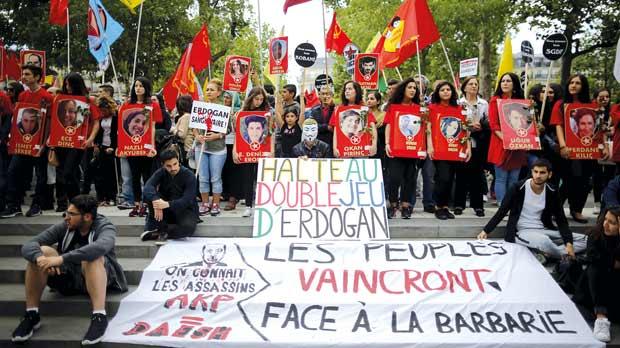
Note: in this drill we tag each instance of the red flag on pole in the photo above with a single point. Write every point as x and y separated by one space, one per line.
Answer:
181 82
412 22
12 68
58 12
289 3
201 50
336 39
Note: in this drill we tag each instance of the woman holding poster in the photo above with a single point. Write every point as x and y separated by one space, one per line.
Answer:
355 132
254 131
210 155
508 163
403 122
580 140
604 171
448 143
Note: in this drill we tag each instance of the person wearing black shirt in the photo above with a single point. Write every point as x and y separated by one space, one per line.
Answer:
322 113
310 146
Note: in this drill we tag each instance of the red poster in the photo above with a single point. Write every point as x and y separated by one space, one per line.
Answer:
136 135
614 114
449 133
278 55
407 131
236 73
69 121
352 127
36 58
583 129
27 129
252 138
366 71
518 124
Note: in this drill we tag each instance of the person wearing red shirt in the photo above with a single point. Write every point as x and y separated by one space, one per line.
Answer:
604 171
614 114
508 163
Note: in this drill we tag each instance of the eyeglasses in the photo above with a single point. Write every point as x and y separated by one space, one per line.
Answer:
70 213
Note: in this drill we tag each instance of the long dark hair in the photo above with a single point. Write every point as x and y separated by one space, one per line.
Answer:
247 103
17 90
358 93
435 99
584 95
146 83
398 94
597 231
517 91
78 87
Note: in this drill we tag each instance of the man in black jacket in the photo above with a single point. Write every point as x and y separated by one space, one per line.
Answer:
533 204
171 197
322 113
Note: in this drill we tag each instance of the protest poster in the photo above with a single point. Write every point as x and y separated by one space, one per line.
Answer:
237 73
407 131
27 129
583 130
366 70
352 129
305 55
518 124
250 293
320 199
253 136
278 55
210 117
136 135
448 133
614 149
468 67
70 121
36 58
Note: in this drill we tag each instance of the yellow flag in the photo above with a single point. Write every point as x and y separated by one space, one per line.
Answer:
506 63
373 43
132 4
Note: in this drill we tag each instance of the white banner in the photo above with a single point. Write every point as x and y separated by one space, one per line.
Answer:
251 293
468 67
328 199
210 117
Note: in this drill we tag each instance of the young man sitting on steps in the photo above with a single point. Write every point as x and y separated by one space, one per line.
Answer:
83 262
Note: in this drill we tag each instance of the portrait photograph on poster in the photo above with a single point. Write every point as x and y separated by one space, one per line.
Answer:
36 58
352 132
137 137
518 125
27 130
236 73
278 55
584 131
253 140
366 70
69 121
407 131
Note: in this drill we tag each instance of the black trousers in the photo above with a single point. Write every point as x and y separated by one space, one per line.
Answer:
403 179
575 187
89 169
232 176
601 176
468 176
141 168
249 171
68 174
445 172
105 176
17 172
177 224
604 287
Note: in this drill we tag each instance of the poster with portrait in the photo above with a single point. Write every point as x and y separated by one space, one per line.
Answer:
518 124
69 121
27 129
449 134
366 70
584 130
237 73
278 55
36 58
136 135
253 138
353 131
407 131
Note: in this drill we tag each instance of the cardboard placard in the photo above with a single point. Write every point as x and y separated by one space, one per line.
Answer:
448 130
353 131
210 117
36 58
27 129
69 121
305 55
253 139
237 73
367 70
518 124
136 135
468 67
407 131
583 131
278 55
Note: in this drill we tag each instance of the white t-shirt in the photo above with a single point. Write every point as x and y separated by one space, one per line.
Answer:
533 206
106 124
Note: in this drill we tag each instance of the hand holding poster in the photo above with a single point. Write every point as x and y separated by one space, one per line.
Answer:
236 73
36 58
353 132
209 117
253 137
70 119
27 130
583 130
278 55
136 135
407 131
367 70
518 124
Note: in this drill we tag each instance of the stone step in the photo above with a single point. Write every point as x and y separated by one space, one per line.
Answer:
13 269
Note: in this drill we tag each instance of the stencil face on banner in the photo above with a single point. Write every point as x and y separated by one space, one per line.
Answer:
366 73
555 46
305 55
71 115
527 51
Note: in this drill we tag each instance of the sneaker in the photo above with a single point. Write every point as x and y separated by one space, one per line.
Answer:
11 212
601 330
30 322
391 211
149 235
441 214
247 212
143 212
215 210
35 210
162 240
479 212
458 211
405 212
429 209
125 205
204 209
98 324
134 212
449 215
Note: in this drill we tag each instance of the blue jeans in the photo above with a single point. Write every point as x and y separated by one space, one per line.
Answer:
503 180
126 189
210 172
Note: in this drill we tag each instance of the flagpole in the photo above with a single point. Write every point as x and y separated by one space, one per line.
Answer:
135 55
448 60
113 67
417 48
209 66
324 36
399 75
542 109
525 87
68 42
260 42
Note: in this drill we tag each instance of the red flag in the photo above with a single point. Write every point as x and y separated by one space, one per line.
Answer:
312 99
12 68
181 82
58 12
4 58
336 39
289 3
201 50
412 22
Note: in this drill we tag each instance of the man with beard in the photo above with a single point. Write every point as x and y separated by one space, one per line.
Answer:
533 204
368 67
